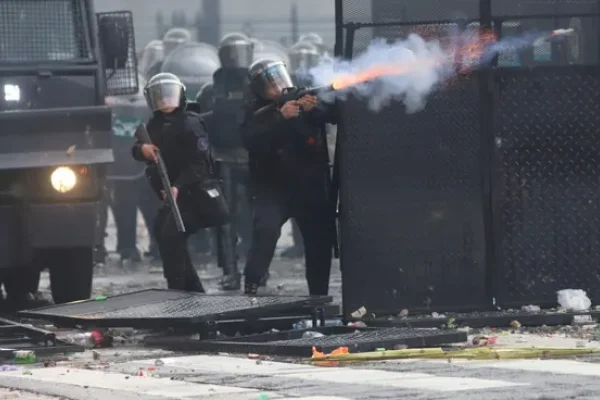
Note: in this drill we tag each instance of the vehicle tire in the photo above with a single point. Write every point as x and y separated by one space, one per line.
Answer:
19 286
71 273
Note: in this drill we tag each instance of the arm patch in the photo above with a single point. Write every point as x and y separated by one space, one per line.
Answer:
202 144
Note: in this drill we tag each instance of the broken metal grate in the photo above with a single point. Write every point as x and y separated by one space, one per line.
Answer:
155 308
489 319
293 343
19 337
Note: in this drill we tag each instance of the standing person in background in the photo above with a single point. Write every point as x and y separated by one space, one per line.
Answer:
229 83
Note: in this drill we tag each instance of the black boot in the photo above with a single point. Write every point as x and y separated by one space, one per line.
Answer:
228 258
100 255
130 254
250 289
231 282
264 280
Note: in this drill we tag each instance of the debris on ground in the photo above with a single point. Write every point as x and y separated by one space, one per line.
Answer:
531 308
574 300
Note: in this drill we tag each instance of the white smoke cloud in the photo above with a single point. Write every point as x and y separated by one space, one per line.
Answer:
426 69
428 66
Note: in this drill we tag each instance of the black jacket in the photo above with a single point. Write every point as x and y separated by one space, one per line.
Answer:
288 155
228 88
184 146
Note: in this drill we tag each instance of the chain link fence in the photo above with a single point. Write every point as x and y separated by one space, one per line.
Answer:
489 196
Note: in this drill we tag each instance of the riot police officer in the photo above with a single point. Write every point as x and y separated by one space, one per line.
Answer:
152 54
303 56
183 142
194 64
289 174
229 82
174 38
171 40
314 39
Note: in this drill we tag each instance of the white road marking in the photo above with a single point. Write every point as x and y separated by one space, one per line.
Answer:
152 386
239 366
567 367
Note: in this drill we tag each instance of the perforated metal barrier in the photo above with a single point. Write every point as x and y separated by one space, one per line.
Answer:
40 31
489 194
121 76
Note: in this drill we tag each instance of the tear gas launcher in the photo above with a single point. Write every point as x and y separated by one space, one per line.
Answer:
295 94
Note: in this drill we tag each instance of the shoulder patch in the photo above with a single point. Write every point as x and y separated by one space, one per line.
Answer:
203 144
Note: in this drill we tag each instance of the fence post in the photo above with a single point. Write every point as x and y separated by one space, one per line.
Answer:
339 29
488 150
160 24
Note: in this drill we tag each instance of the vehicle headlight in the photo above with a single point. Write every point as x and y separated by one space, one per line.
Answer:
12 93
63 179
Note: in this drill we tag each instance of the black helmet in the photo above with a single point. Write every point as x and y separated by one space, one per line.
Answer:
164 91
193 63
268 78
303 56
174 38
153 52
314 39
235 51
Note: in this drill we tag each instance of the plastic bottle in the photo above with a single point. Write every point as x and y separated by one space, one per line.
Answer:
307 323
25 357
88 340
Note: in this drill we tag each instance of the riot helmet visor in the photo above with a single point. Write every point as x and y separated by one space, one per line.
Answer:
164 94
236 54
270 80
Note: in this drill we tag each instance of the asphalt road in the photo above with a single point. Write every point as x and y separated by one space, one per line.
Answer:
115 373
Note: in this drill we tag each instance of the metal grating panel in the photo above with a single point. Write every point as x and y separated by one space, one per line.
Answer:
547 129
42 31
121 78
16 337
155 307
292 343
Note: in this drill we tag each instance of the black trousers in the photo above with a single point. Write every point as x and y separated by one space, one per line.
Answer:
235 178
127 197
315 223
296 235
199 208
178 268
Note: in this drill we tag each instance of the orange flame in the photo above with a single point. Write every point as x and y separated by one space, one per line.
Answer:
464 54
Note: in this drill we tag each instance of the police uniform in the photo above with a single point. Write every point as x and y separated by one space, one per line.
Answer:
194 64
229 82
303 56
289 174
184 145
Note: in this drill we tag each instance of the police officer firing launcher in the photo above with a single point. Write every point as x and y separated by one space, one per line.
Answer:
289 173
303 56
184 147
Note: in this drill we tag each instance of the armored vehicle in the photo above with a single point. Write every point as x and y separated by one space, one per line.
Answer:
58 62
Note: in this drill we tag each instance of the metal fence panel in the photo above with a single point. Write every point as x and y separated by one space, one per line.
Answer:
415 200
42 31
412 219
547 128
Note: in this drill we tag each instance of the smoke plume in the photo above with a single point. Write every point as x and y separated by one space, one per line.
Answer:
423 67
412 87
